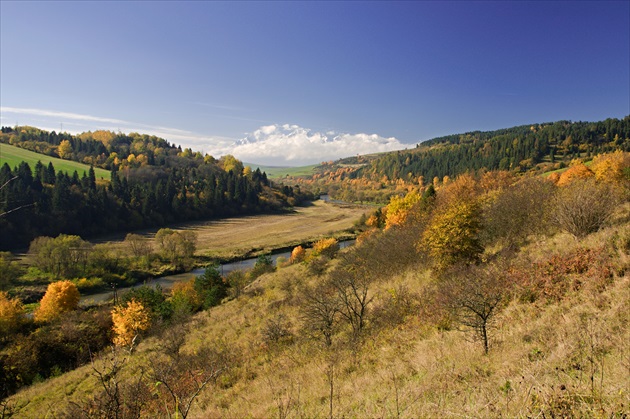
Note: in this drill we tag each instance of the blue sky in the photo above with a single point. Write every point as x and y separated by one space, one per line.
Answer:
291 83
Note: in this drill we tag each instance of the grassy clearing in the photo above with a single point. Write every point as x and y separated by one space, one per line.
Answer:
279 172
248 236
15 155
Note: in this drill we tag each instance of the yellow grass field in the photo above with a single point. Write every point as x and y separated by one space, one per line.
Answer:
251 235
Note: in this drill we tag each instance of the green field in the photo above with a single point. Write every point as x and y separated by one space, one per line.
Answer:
274 172
15 155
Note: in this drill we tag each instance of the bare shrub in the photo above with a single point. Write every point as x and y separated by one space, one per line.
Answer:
474 294
584 206
320 312
518 211
181 376
277 330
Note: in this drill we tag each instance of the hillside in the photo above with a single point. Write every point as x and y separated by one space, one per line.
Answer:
153 184
534 148
13 156
486 296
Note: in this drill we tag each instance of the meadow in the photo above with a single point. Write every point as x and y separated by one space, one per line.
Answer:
274 172
13 156
246 236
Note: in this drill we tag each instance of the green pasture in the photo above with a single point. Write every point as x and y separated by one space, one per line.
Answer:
274 172
15 155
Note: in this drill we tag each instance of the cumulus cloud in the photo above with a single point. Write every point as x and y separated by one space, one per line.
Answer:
292 145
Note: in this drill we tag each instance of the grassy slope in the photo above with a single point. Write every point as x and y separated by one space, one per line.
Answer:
540 358
15 155
274 172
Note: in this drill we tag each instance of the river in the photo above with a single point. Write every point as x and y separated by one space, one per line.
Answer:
167 282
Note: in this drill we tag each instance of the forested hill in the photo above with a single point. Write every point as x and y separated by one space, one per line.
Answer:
519 148
153 183
538 147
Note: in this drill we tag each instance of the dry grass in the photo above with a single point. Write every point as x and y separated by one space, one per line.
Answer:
239 236
569 358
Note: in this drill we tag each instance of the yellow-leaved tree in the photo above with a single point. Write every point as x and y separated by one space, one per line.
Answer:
453 235
399 208
129 321
60 297
612 167
64 149
326 247
11 314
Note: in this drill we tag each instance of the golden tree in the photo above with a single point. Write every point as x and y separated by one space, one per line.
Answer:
297 255
399 208
60 297
326 247
129 321
611 167
64 149
453 235
11 313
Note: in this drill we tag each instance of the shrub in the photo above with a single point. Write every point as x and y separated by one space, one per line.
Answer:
584 206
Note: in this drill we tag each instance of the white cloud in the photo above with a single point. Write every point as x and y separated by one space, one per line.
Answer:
292 145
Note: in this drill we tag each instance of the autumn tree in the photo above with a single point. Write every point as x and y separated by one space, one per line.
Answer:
297 254
399 208
326 247
612 167
11 314
453 235
60 297
64 149
575 172
184 298
129 321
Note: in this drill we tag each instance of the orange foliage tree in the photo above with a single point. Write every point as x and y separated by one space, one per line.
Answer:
129 321
297 255
11 314
60 297
578 171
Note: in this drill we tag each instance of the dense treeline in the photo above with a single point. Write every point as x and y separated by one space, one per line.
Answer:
152 189
520 148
